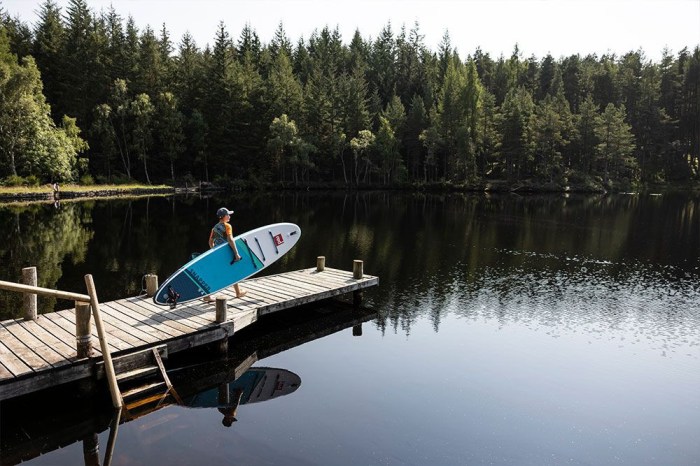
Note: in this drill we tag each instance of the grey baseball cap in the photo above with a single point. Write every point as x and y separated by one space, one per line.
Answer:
223 211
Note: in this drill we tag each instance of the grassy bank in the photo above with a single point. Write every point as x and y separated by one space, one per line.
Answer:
70 191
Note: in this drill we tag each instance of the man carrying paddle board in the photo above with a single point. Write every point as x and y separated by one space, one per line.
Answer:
221 233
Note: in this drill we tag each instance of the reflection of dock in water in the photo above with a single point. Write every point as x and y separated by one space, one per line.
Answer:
36 424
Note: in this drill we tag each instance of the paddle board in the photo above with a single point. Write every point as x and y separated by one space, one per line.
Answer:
255 385
216 269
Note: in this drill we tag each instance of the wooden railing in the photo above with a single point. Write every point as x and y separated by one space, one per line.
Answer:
82 330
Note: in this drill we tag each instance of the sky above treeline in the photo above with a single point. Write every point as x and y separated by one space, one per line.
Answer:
539 27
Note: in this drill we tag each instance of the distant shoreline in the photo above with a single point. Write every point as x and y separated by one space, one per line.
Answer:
74 192
83 192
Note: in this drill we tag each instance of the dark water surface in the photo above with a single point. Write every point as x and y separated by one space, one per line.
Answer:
505 330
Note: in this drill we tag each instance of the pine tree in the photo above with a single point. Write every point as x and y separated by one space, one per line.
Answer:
614 151
284 90
416 123
188 75
382 71
516 133
585 139
48 46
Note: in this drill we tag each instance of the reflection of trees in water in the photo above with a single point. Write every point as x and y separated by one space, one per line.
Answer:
41 236
429 249
631 302
435 238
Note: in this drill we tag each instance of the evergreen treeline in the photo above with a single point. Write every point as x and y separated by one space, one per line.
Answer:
380 111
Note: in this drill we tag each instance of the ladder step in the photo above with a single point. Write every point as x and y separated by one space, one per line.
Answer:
158 397
142 389
137 373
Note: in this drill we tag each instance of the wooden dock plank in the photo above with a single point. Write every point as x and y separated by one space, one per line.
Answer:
252 297
126 324
194 314
66 320
50 321
31 353
279 292
115 332
12 362
190 314
294 290
149 313
327 277
48 338
35 346
148 320
67 346
308 287
136 318
5 372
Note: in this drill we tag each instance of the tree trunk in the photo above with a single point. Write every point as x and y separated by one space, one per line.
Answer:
145 169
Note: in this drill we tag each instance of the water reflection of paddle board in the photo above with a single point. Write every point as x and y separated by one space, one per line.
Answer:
256 384
215 269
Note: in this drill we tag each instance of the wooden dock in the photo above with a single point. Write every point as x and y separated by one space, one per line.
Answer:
41 353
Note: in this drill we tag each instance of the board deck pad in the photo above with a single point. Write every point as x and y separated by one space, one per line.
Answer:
216 269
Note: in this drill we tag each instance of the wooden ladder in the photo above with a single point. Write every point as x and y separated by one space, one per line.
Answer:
146 367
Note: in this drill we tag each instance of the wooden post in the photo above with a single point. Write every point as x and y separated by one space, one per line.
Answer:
117 401
356 298
83 339
320 263
29 278
357 330
357 274
221 309
357 269
112 440
151 284
91 450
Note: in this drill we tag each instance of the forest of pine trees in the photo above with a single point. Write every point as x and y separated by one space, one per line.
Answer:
87 96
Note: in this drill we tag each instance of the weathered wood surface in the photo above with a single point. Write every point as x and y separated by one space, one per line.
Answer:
42 353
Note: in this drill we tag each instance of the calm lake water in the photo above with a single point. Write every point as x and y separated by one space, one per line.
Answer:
509 330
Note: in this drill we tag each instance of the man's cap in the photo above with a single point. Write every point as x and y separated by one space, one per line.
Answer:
223 211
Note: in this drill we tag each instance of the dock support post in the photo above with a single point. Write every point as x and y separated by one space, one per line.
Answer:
117 401
151 284
320 263
357 269
221 309
29 277
112 440
83 339
357 298
357 274
91 450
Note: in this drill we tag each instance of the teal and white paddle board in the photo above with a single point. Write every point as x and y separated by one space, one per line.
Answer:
216 269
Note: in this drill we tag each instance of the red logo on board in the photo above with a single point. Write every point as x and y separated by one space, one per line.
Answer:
279 239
